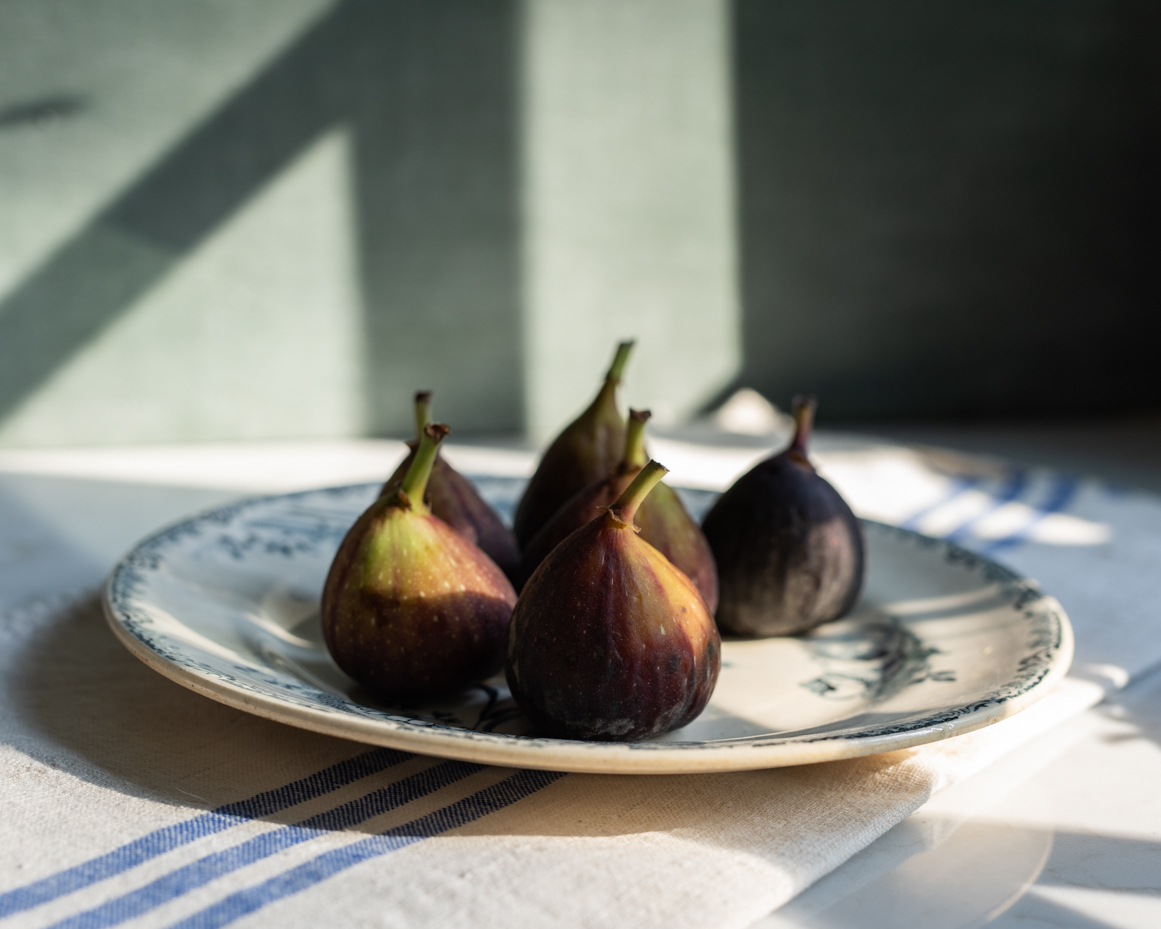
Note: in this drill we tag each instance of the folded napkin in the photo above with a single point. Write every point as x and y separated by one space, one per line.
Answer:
130 800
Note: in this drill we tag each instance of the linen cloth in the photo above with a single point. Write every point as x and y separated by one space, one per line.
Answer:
130 801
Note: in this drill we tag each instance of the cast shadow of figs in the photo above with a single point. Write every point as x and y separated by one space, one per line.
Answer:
103 716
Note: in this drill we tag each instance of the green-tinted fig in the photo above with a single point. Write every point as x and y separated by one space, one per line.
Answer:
586 451
609 641
789 550
410 608
661 518
452 498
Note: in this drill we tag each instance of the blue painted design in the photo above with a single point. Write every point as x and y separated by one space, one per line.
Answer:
1011 490
298 879
870 662
1060 495
170 837
201 872
959 485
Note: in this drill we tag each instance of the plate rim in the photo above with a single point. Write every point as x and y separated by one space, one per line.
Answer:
435 739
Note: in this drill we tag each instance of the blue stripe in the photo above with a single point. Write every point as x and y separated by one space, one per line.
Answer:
1059 497
211 867
171 837
327 865
1013 486
958 486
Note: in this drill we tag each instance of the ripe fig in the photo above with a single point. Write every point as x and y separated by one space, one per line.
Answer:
661 518
453 499
586 451
789 550
410 608
610 641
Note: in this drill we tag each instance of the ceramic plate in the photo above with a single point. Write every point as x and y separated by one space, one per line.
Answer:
943 642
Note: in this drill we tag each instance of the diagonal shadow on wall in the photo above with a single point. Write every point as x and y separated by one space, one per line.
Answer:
428 92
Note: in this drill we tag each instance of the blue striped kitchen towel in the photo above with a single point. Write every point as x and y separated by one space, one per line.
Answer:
129 800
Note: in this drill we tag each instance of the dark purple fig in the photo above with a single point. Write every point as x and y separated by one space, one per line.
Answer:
586 451
788 548
453 499
661 518
411 608
610 641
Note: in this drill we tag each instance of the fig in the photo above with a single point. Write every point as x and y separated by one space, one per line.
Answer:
452 498
789 550
411 608
586 451
662 519
609 641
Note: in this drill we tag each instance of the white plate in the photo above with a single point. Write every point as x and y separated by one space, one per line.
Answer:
944 642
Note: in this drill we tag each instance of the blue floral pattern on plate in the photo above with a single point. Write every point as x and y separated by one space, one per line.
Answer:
945 641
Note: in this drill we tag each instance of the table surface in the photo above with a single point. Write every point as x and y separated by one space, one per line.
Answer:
1065 832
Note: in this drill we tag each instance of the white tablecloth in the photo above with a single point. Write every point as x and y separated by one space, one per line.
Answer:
130 800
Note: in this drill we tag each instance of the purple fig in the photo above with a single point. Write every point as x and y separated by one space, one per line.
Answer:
609 641
453 499
586 451
661 518
789 550
410 608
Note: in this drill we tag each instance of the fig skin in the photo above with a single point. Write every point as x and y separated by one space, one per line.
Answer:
453 499
410 608
610 641
586 451
789 551
661 518
668 527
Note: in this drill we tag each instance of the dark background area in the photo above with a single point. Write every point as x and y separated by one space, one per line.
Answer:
949 209
943 211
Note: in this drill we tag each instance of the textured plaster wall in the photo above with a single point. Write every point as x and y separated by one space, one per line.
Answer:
279 218
628 203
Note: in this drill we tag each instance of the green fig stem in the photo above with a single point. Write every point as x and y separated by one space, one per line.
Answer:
608 391
415 483
803 407
422 412
626 506
635 440
617 369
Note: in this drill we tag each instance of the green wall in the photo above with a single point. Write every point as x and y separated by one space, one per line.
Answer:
279 218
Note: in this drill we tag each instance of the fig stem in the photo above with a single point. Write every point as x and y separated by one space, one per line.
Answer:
422 412
803 407
608 391
617 369
415 483
635 440
626 506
